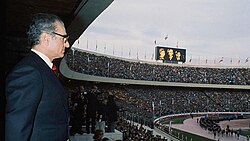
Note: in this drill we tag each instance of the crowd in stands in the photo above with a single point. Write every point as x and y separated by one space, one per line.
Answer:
104 66
132 132
169 100
142 104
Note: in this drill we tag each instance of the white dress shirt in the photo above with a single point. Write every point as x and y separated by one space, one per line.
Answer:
44 57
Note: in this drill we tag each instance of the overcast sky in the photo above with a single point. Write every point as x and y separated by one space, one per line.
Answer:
205 28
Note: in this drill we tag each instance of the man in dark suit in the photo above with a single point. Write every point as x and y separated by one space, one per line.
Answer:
36 102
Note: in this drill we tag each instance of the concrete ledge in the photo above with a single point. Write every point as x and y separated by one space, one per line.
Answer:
117 135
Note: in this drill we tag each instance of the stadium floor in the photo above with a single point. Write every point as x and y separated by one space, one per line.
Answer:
191 125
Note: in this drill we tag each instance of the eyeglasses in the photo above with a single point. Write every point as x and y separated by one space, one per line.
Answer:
66 37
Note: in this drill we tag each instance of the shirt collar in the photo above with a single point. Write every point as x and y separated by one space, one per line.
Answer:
44 57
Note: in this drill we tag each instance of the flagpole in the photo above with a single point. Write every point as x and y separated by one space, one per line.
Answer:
113 49
129 53
78 42
137 55
122 52
96 45
104 47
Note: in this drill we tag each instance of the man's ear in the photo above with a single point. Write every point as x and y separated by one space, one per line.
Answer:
44 38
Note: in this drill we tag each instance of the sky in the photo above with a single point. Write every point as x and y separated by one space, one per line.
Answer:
208 29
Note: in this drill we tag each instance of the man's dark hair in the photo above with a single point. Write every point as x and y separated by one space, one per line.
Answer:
41 22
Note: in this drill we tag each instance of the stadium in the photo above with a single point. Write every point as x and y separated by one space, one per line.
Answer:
163 95
149 96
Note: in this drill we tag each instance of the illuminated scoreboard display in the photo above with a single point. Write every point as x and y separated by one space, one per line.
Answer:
170 55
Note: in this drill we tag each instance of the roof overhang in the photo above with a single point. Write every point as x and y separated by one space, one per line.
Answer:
76 14
84 15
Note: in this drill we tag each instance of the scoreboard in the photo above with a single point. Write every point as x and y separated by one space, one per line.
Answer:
170 55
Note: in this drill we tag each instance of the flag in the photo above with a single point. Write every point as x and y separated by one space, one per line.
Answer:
221 59
166 37
190 60
246 60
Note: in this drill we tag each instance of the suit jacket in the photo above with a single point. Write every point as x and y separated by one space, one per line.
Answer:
36 108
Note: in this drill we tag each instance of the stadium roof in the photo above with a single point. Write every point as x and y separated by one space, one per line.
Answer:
77 14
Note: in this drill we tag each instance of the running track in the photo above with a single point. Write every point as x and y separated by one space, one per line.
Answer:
191 125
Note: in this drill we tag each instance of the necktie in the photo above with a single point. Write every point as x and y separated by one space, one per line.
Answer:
54 68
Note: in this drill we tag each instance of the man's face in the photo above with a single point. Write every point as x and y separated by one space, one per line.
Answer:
162 53
170 53
58 43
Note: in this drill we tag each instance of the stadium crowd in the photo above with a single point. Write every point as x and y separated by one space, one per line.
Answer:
132 132
142 104
105 66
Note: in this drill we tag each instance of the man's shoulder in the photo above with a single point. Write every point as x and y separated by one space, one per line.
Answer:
29 62
32 59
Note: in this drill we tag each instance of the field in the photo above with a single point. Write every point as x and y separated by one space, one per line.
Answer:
189 128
